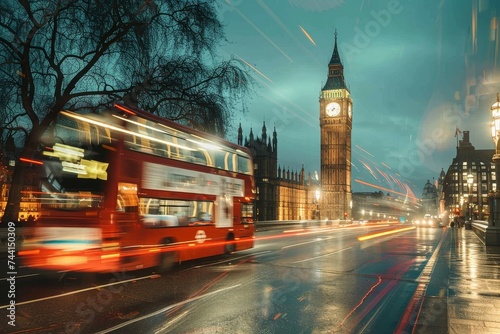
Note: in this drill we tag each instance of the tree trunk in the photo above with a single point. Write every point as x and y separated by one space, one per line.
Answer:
12 208
14 202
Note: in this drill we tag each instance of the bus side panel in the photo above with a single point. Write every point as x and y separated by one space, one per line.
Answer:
191 242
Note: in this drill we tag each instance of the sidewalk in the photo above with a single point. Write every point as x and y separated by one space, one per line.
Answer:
474 285
464 292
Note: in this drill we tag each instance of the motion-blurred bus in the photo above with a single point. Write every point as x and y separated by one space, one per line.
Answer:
126 190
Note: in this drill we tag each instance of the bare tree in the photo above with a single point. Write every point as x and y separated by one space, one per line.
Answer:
81 54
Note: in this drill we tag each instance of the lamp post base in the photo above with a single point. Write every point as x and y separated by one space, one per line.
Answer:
492 231
492 236
494 206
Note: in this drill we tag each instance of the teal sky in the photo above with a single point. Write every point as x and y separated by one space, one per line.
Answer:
413 69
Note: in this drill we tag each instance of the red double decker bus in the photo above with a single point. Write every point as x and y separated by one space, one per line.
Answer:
126 190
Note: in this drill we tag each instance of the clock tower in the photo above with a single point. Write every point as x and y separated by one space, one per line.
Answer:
335 120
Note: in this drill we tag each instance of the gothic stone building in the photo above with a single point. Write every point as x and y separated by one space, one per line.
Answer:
280 194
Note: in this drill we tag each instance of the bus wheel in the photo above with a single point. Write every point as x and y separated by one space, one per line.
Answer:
167 259
167 262
230 247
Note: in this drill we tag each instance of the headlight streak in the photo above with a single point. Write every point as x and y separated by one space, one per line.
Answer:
297 232
381 234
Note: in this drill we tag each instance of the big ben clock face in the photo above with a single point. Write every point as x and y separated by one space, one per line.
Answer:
333 109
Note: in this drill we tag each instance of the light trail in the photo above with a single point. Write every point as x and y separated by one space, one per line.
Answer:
368 167
283 26
307 118
298 232
414 307
381 234
307 35
386 177
260 32
255 69
386 189
379 281
362 149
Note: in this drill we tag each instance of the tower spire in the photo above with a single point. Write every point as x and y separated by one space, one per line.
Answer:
335 104
335 60
335 78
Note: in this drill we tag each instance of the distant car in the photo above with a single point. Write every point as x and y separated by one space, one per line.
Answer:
429 221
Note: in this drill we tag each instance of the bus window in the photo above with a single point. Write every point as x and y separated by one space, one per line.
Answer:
244 165
247 212
126 200
200 157
169 212
73 178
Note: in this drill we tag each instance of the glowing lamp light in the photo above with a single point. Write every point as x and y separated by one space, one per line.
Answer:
495 123
495 128
495 109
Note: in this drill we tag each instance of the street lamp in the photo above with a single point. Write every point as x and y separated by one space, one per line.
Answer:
492 236
461 206
318 195
470 180
495 135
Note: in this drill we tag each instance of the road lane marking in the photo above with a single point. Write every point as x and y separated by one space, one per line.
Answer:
315 240
226 260
20 276
82 290
317 257
165 309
